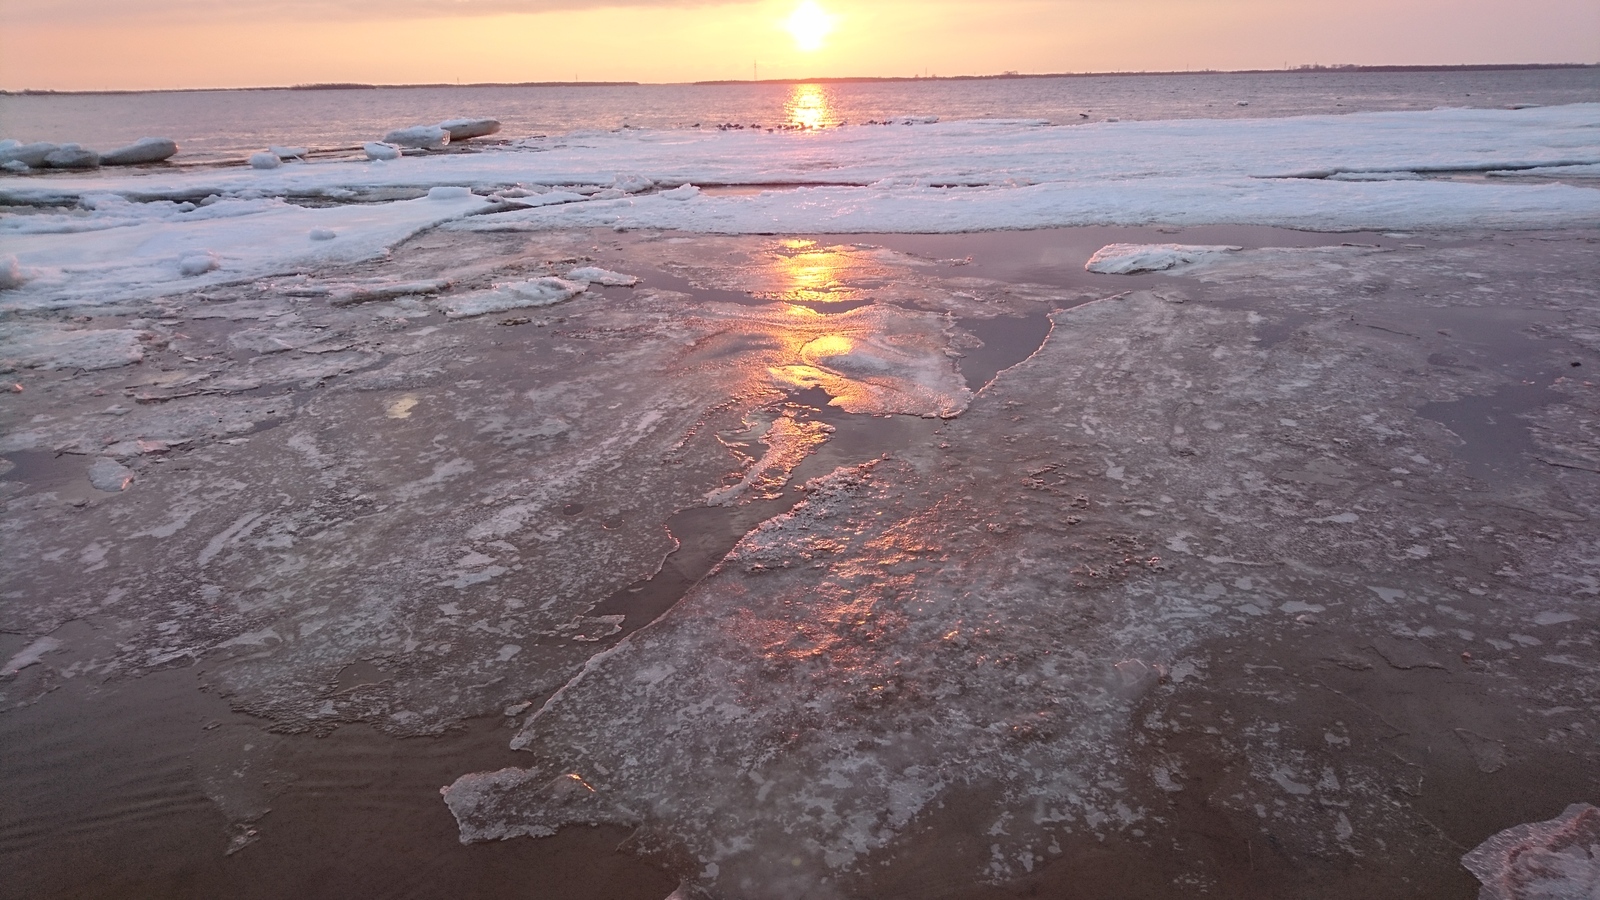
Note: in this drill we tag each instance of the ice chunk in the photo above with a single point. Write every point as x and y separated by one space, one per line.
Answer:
682 192
71 156
421 137
11 274
1133 259
323 234
29 154
197 262
514 295
449 193
286 153
632 184
366 293
142 151
1557 859
381 151
12 165
30 655
593 275
265 159
109 475
50 347
465 129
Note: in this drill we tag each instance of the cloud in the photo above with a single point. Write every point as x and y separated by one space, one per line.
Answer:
194 11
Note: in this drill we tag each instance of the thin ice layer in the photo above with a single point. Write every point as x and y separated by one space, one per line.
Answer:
1558 859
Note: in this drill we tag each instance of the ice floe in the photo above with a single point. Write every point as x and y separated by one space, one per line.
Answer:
141 152
604 277
420 137
1558 859
1133 259
48 346
513 295
466 129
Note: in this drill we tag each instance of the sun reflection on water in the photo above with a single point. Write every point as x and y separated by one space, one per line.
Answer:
808 107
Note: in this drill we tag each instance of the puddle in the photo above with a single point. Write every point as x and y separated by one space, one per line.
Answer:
1494 437
1007 340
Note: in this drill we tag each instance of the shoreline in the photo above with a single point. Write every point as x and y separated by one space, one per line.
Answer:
1307 70
1092 446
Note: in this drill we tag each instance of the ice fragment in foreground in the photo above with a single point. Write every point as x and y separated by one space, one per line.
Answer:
381 151
682 192
516 295
144 150
1132 259
109 475
464 129
421 137
266 159
1558 859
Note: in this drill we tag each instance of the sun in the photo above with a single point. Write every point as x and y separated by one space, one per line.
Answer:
810 25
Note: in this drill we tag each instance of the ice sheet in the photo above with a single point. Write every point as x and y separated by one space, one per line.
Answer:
1308 172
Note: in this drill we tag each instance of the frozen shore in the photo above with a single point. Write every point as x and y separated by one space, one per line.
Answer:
1245 561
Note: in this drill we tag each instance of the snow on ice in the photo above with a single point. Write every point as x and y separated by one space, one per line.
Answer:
1133 259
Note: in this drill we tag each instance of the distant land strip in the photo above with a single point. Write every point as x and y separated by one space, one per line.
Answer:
848 79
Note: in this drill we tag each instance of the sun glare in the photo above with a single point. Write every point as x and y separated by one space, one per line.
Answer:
810 25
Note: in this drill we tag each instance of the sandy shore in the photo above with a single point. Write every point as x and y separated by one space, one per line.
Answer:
1274 577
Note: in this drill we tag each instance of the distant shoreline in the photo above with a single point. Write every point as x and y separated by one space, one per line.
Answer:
353 86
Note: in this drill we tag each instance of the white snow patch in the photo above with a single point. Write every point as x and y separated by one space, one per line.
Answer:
606 277
513 295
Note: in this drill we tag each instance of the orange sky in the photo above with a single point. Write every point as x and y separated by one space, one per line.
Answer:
64 45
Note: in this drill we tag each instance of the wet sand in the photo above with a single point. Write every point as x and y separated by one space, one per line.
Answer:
1385 698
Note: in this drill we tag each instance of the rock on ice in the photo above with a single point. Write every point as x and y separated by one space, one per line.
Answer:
1133 259
464 129
265 159
1558 859
381 151
420 137
515 295
144 150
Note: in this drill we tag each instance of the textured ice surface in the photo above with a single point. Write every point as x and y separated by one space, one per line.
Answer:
1557 859
1133 259
513 295
48 346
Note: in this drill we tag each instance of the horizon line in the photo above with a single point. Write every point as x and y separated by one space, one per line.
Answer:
830 79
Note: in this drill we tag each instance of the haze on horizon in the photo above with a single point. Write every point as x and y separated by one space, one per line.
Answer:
153 44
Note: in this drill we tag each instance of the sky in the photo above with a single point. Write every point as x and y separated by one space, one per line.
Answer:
150 44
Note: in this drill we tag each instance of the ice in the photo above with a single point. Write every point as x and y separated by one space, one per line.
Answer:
140 152
288 153
380 151
32 155
606 277
1557 859
31 346
11 274
71 156
514 295
420 137
632 184
198 262
323 234
30 655
109 475
682 192
265 159
465 129
132 250
1133 259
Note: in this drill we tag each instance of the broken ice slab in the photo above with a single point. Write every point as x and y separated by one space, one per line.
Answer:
1557 859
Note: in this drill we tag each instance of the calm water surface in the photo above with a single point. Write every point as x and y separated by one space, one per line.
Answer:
213 124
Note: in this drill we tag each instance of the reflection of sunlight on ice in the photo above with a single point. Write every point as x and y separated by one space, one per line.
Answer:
803 272
808 107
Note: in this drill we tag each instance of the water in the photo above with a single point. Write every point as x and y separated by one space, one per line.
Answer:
221 124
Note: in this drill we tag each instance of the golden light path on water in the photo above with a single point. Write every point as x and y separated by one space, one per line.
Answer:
808 107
